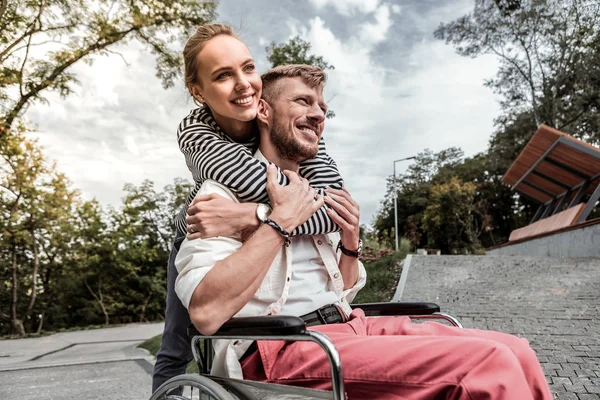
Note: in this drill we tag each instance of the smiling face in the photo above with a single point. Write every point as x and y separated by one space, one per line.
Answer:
298 119
227 81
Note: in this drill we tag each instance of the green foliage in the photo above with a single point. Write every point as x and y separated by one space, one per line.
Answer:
549 53
35 204
41 39
65 262
152 344
383 276
449 218
296 51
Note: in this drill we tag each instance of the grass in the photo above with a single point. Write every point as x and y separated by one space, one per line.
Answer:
153 345
382 278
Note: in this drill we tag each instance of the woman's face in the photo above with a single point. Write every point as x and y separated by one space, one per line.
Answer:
229 82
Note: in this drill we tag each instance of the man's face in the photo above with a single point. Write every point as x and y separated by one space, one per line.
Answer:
298 119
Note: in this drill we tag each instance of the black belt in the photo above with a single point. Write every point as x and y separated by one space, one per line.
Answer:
329 314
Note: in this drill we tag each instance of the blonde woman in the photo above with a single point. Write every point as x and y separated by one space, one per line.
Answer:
218 140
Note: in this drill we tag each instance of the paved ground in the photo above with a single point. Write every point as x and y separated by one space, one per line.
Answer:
555 303
93 364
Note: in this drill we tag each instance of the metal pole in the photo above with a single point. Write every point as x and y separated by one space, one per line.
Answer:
396 200
395 208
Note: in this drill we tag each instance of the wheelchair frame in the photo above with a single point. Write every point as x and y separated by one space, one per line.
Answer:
292 329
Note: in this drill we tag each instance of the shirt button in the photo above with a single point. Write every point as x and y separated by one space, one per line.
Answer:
288 278
336 275
319 242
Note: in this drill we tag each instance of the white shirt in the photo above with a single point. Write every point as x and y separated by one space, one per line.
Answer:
197 257
308 287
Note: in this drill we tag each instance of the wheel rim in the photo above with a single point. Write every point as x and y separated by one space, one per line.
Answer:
191 387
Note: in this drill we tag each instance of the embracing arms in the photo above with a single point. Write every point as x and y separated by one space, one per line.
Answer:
210 156
230 273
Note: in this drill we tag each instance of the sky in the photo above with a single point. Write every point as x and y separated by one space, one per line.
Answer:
395 90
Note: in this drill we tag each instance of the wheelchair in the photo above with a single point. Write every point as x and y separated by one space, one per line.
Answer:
204 386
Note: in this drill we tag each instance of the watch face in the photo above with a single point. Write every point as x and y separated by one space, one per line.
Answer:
262 212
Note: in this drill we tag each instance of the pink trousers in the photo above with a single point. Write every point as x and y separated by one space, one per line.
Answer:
394 358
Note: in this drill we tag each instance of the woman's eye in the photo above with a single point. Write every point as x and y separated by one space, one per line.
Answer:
302 101
250 68
223 75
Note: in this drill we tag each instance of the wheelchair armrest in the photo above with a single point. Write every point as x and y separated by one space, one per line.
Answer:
397 308
275 325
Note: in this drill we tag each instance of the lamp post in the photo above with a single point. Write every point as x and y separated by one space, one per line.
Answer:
396 199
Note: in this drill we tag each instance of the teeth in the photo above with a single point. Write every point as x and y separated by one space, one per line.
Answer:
245 100
307 130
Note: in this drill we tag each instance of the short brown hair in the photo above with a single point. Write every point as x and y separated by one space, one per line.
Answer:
194 45
311 75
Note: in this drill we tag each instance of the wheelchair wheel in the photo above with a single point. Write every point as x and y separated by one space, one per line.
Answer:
191 387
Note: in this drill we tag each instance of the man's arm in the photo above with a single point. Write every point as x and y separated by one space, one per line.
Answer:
232 282
209 156
228 285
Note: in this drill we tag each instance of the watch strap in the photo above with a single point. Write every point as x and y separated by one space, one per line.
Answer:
279 229
350 253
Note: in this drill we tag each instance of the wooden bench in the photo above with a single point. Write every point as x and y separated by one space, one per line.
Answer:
553 223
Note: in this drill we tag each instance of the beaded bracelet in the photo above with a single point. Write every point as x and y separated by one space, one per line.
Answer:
279 229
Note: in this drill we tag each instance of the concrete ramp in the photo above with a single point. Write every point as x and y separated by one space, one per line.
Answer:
553 302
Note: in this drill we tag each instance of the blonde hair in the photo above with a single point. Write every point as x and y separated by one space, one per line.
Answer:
194 45
311 75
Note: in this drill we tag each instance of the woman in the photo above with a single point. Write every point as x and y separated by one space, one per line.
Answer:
218 141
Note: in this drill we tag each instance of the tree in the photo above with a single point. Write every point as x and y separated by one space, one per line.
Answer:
67 32
548 51
412 195
296 51
35 200
449 218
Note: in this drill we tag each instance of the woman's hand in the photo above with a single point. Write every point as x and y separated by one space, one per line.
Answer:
213 215
293 204
345 212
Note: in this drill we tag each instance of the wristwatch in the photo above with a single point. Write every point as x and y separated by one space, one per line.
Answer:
351 253
262 212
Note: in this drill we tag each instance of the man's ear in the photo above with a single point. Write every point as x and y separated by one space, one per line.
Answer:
264 112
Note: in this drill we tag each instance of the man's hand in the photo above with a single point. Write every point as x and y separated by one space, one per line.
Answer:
213 215
293 204
345 212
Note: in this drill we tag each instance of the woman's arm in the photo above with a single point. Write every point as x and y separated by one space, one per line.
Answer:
211 156
322 171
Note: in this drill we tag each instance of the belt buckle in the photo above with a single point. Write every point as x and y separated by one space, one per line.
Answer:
342 313
320 316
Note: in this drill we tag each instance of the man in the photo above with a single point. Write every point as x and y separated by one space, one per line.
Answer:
384 358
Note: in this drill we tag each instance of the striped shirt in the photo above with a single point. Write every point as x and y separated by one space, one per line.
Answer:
211 154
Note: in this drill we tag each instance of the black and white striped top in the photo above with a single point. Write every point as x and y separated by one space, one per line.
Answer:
211 154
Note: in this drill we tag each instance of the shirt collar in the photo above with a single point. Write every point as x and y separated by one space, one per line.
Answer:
260 157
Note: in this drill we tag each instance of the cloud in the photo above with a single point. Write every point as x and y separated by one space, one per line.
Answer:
424 97
118 127
376 32
348 7
395 91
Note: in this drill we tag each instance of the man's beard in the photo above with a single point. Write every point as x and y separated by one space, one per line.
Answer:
288 146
